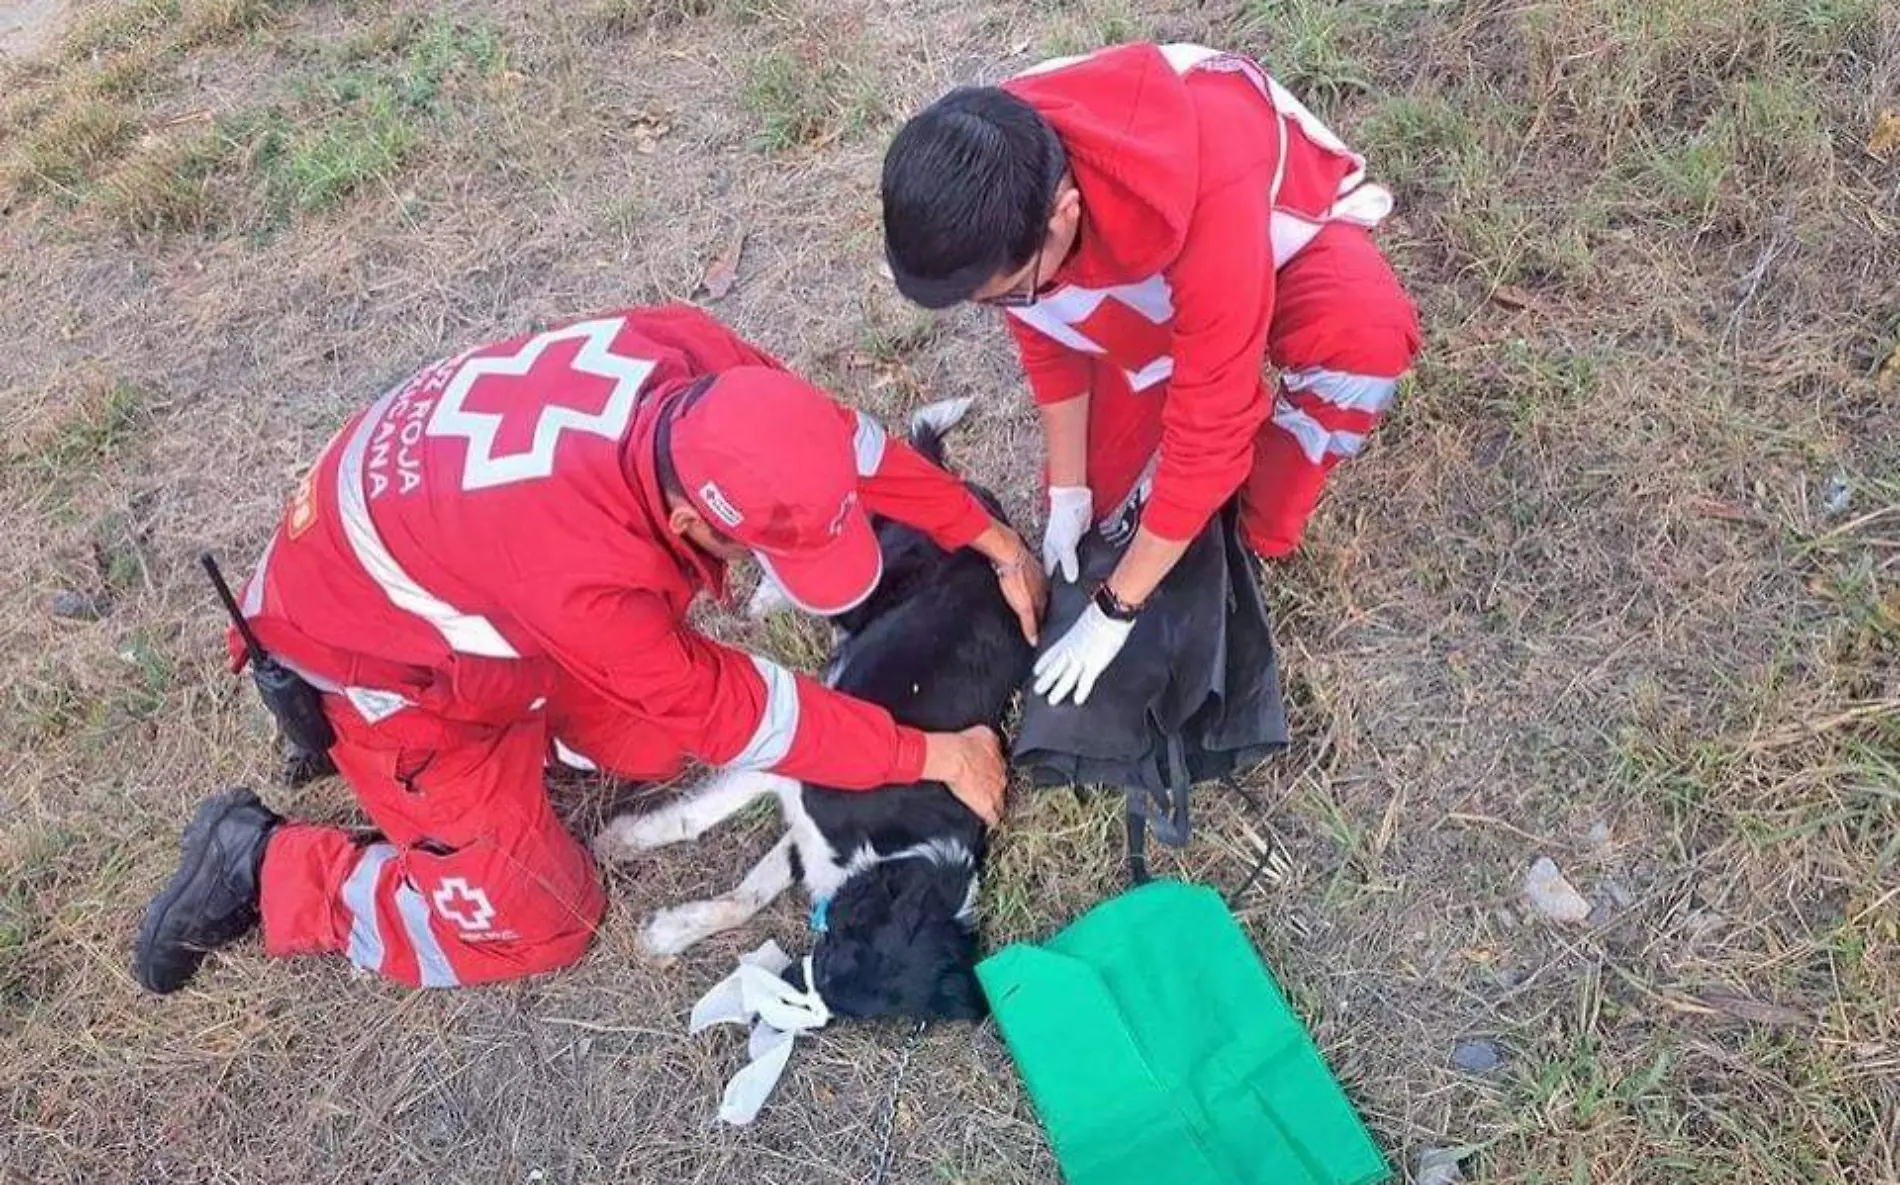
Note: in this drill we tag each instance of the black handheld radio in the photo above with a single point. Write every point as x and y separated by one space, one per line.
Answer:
294 704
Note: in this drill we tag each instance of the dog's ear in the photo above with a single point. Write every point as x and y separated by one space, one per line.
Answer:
959 994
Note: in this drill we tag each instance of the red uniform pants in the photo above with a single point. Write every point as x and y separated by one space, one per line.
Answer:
1343 331
473 878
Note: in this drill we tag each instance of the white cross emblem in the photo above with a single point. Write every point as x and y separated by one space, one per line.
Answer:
484 469
467 907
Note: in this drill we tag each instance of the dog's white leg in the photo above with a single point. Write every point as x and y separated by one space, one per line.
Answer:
694 813
678 927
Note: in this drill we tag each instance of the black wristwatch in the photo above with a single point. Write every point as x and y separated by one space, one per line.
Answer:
1112 606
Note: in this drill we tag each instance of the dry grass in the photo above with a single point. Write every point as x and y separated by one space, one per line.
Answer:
1598 569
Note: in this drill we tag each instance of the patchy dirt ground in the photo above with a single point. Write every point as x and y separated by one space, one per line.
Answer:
1616 585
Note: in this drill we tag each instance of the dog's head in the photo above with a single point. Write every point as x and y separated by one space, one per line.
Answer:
900 941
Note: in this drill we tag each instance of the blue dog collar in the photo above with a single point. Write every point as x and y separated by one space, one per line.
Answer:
821 916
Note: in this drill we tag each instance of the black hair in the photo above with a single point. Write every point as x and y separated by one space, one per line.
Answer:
968 184
663 466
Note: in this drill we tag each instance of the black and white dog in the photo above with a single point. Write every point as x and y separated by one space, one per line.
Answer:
892 873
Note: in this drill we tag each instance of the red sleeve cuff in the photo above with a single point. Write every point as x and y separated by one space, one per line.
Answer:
907 764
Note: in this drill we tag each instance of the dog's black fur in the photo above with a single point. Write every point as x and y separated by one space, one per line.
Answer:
938 646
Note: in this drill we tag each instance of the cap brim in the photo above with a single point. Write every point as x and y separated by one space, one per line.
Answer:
837 577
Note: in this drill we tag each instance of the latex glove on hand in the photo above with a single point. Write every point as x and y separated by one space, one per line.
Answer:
1080 656
1071 511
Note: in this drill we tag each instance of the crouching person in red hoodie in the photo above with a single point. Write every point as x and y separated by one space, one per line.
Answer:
1158 222
491 567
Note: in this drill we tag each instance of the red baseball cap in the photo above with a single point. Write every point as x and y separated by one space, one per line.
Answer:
770 461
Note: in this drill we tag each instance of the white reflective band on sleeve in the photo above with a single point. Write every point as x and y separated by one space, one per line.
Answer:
1158 371
431 963
359 897
868 443
571 759
778 724
466 633
254 591
1354 392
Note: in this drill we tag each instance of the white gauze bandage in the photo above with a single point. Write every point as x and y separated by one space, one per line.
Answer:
756 994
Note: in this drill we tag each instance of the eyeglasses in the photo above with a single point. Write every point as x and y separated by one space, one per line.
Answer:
1020 298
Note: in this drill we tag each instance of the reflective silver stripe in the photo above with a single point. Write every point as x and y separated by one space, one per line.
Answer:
1160 370
1153 298
1045 317
778 724
431 963
1314 438
359 897
572 759
1309 432
1354 392
254 591
467 633
374 704
868 443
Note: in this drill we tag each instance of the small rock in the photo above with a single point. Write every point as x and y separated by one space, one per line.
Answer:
1619 894
1476 1057
1552 895
1599 836
1439 1166
1507 977
1836 494
78 606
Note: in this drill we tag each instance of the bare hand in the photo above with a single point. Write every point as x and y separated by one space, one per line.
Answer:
970 763
1026 587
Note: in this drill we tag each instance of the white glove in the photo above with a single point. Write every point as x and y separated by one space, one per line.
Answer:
1080 656
1071 510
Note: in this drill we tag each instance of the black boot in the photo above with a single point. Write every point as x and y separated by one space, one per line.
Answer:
211 900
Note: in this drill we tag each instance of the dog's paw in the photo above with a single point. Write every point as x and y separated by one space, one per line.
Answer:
629 835
766 600
678 927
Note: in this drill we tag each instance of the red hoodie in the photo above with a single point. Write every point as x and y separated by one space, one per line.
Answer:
1199 177
441 606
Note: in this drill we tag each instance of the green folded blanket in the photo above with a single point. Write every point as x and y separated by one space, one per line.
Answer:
1159 1051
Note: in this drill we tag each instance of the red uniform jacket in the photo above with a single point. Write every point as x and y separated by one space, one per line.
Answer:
1199 176
496 521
